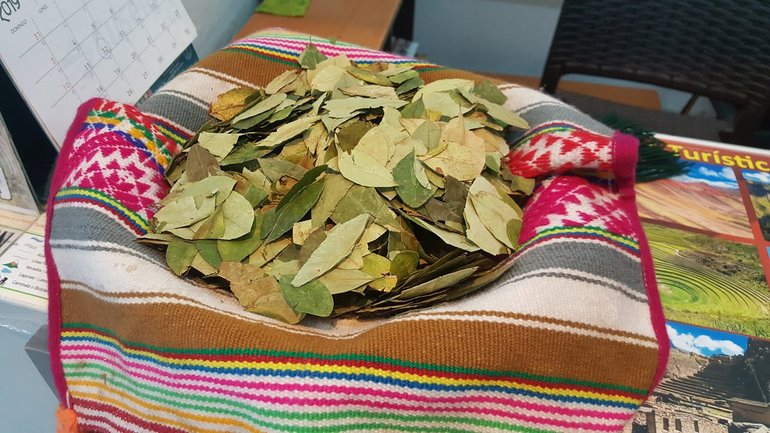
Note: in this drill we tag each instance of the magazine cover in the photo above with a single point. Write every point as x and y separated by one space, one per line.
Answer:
709 232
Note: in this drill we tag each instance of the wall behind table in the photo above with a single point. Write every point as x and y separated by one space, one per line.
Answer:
502 36
217 22
507 37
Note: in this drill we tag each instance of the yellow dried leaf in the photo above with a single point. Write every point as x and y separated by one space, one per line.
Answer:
230 103
300 231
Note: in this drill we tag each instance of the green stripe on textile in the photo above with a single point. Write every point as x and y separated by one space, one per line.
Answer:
260 55
624 240
182 400
177 138
422 69
537 131
105 198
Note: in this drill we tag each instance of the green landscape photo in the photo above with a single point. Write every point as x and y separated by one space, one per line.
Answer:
758 184
711 282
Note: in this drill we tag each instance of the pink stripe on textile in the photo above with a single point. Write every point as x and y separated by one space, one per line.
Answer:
95 424
128 418
352 56
626 148
60 174
177 381
324 48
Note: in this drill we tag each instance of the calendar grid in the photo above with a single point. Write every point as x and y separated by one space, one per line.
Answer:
64 52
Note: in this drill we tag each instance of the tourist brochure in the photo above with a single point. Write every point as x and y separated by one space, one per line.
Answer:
709 233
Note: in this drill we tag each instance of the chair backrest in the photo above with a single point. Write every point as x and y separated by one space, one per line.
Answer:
715 48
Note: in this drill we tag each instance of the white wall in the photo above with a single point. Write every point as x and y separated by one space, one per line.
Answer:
503 36
217 21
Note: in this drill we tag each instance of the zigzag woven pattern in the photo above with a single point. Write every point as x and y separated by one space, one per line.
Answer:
570 339
560 147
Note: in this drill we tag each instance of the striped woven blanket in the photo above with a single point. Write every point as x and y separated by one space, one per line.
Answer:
570 339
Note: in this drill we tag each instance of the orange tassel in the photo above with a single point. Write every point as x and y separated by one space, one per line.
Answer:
66 420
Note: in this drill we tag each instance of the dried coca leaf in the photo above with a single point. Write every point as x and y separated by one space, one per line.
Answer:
230 103
345 189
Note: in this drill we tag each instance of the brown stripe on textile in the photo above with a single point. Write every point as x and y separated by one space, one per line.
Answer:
260 71
243 67
469 344
442 74
214 75
543 319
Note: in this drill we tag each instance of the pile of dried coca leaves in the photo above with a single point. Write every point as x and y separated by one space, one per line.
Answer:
344 188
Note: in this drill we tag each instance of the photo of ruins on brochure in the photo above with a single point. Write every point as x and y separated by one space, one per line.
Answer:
715 382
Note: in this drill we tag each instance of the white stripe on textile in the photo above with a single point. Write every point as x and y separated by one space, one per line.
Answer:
185 97
557 298
549 326
562 299
201 86
573 241
223 76
88 417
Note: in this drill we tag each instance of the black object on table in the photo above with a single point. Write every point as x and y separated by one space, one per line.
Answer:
35 150
719 49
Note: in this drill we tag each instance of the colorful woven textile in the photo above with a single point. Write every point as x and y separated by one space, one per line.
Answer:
571 339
